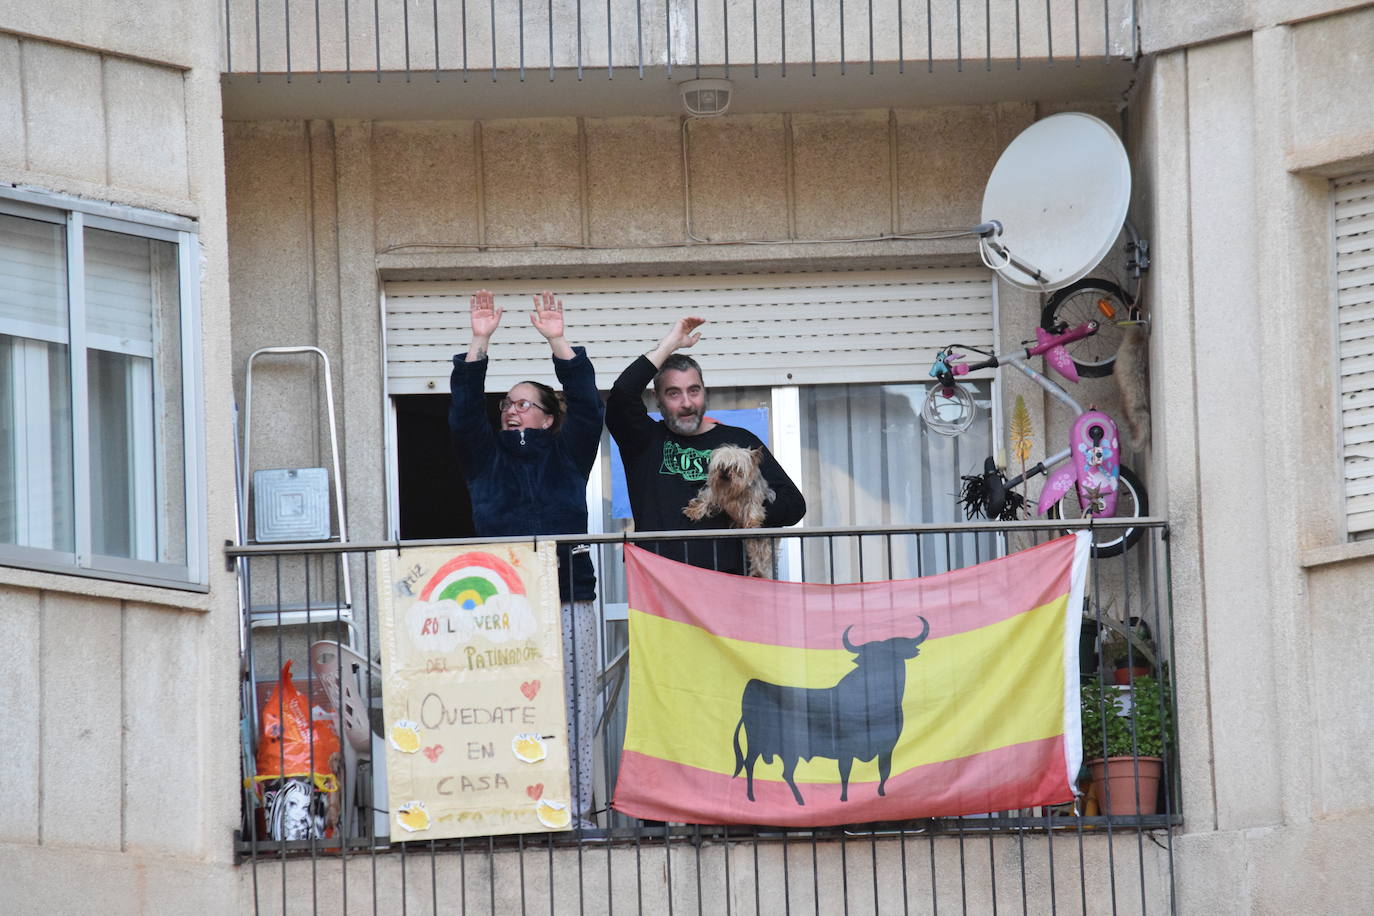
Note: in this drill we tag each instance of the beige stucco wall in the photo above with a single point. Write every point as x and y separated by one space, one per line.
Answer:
1235 141
320 211
118 781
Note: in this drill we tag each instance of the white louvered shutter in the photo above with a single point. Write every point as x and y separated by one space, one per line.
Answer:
1353 201
762 329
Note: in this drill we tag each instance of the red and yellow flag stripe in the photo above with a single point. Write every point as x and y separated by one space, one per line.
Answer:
986 705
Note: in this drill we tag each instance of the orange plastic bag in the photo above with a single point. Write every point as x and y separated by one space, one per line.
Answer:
287 748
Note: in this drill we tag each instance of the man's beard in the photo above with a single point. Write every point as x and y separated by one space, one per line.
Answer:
683 426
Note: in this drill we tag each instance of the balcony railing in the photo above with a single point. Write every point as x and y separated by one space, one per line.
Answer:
1031 860
678 38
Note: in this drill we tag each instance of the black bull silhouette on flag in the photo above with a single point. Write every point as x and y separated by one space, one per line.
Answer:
858 718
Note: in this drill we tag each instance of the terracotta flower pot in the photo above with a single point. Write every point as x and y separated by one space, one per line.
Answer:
1125 675
1114 781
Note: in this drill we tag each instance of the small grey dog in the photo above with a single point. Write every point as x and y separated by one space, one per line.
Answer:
735 486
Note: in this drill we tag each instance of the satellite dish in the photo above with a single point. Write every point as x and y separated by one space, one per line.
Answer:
1055 202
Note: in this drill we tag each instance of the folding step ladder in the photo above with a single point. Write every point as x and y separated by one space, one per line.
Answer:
291 505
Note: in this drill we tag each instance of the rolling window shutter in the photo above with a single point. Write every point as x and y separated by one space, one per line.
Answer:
1353 202
762 329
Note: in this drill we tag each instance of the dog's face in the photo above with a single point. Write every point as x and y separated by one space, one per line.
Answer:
732 468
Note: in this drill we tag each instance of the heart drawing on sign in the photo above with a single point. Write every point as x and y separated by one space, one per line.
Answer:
529 689
433 752
535 790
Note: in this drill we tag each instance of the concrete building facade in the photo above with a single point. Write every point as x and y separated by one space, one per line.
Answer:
381 160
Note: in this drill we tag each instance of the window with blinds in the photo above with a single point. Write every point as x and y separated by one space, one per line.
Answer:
94 393
762 329
1353 209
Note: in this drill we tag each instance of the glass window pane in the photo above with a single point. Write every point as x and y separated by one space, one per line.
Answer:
612 566
134 398
35 387
868 460
35 445
33 279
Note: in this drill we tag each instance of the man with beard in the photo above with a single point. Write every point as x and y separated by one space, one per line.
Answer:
665 461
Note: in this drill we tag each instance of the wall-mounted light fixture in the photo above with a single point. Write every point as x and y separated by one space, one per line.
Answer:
706 98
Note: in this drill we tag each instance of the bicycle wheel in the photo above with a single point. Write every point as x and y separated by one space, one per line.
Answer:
1090 299
1131 502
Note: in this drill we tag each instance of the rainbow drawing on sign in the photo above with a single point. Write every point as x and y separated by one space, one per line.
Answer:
472 579
475 594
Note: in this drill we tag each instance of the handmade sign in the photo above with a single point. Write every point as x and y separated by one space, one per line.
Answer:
472 658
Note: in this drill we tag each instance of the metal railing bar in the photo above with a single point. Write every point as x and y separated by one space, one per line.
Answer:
1173 790
257 36
639 36
463 23
901 49
959 35
987 33
871 54
1077 35
372 809
434 4
1049 32
521 866
668 34
520 25
286 7
1106 30
492 28
462 875
841 4
1004 825
782 19
610 52
377 36
551 40
319 72
992 873
1057 525
696 35
228 40
756 38
1018 58
668 865
696 855
405 37
434 879
579 40
725 21
348 46
930 40
1111 845
491 875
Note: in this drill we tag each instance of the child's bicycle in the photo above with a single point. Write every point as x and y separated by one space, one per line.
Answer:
1113 306
1089 468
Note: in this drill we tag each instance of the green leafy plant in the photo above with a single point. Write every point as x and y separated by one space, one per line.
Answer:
1128 646
1110 713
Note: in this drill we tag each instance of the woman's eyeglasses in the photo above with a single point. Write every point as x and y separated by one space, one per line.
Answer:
521 406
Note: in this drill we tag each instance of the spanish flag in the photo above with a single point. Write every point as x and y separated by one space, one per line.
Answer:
761 702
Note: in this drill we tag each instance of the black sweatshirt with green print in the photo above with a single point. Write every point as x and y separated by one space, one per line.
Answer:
663 471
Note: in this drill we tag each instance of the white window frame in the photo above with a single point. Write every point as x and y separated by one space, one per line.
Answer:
76 215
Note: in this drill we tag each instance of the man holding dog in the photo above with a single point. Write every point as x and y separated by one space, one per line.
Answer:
666 461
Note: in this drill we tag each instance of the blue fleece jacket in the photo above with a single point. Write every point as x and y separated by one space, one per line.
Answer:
531 481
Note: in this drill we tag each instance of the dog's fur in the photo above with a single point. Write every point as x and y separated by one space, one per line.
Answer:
735 486
1132 380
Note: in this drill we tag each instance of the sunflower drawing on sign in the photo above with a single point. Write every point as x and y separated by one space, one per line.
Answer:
473 594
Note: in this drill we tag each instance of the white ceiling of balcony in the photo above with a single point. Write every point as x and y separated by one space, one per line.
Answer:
427 95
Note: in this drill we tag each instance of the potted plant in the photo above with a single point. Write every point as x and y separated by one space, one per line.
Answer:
1128 650
1125 733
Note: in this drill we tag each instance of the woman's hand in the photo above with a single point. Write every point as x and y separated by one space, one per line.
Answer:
547 319
485 316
